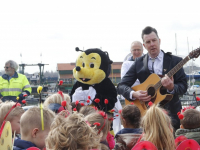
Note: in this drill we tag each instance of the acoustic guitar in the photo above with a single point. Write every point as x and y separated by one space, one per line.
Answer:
153 85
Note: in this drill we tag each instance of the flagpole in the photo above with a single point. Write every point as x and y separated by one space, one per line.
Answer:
21 57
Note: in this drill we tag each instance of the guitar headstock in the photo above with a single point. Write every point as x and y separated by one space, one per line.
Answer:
195 53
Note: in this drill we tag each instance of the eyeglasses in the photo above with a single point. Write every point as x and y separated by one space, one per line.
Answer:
134 50
6 67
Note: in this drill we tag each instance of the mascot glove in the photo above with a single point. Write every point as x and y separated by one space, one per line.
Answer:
79 95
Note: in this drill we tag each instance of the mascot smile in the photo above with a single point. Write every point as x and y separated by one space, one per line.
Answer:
93 67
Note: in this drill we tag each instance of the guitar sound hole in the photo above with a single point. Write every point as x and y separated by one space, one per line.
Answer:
151 91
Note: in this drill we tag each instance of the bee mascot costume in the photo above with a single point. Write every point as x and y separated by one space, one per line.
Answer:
93 67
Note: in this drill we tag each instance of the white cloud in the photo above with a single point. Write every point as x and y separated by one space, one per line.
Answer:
55 28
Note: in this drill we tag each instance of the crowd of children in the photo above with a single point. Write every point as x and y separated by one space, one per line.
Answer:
75 126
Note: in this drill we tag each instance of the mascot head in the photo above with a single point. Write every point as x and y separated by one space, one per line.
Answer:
92 66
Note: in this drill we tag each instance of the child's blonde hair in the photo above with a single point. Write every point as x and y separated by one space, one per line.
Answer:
57 98
158 129
4 109
86 110
98 117
32 119
71 133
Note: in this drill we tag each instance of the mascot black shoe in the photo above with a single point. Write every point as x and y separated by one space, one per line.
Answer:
93 67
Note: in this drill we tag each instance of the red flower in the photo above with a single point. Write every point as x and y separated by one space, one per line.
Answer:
88 101
106 101
18 104
97 100
82 104
178 113
180 116
112 110
89 97
24 101
64 103
198 98
95 108
25 95
103 114
74 109
60 82
150 104
96 123
76 103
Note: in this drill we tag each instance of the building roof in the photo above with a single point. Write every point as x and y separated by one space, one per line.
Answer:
71 66
65 66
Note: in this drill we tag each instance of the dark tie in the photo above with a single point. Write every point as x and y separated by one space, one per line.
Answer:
153 60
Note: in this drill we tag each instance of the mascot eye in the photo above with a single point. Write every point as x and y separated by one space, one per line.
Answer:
91 65
83 64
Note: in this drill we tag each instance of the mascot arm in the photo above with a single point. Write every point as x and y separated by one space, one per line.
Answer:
75 86
106 90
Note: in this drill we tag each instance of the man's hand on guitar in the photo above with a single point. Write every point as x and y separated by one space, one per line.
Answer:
142 96
168 83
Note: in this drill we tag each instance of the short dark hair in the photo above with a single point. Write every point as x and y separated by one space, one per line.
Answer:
148 30
191 119
131 114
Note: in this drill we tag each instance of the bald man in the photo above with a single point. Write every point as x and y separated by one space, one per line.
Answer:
136 51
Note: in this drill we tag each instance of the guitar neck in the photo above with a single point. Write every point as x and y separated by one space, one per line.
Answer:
178 66
174 70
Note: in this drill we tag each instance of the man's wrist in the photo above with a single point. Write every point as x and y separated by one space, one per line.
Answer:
171 91
131 95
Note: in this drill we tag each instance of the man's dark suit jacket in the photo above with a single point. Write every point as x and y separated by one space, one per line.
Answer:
139 70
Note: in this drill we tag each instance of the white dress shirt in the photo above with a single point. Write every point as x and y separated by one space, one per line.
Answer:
158 63
158 67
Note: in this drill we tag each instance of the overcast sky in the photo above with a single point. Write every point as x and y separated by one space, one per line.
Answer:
55 28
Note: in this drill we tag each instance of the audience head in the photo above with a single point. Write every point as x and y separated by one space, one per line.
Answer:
72 133
86 110
54 102
157 128
14 115
191 119
101 118
31 128
11 67
136 49
78 106
130 116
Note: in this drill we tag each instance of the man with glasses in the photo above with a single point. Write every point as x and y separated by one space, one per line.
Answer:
136 51
13 84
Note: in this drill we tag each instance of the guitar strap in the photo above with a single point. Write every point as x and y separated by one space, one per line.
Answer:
145 62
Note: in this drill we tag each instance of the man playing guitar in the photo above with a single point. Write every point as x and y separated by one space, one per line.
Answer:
158 62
